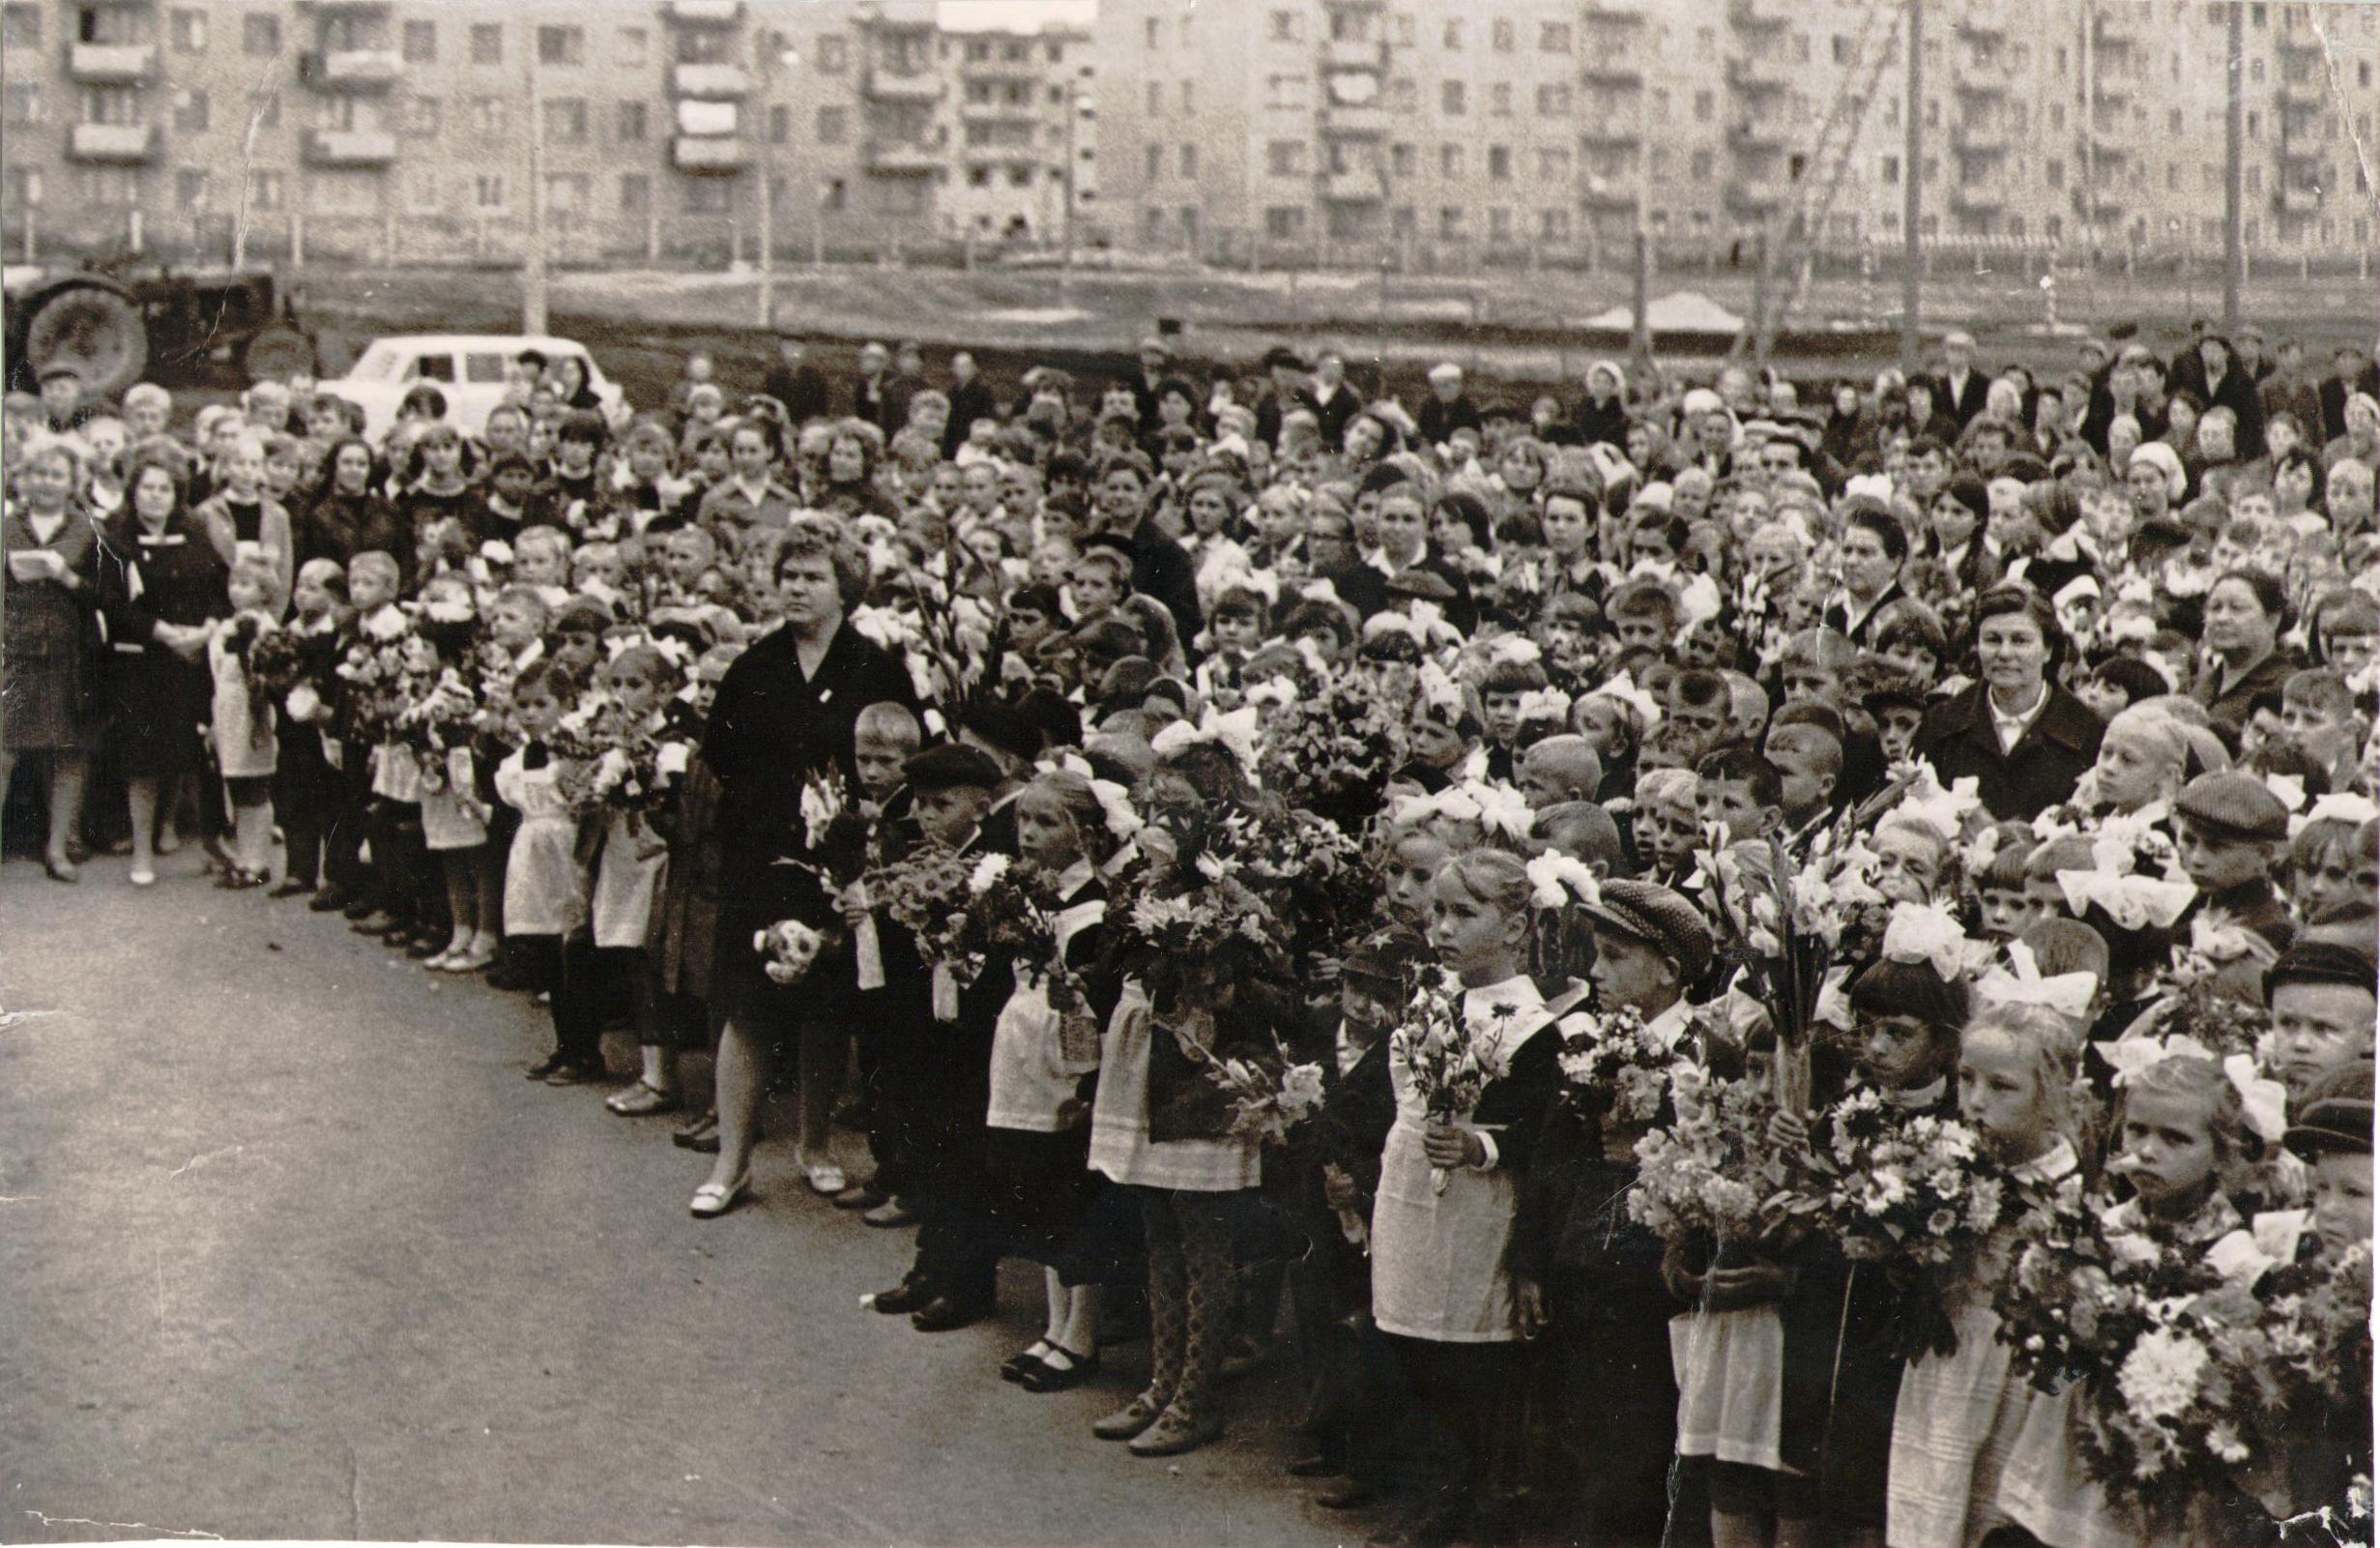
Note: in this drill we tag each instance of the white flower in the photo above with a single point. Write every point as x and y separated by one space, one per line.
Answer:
2160 1378
988 870
1556 879
1502 809
670 759
1928 932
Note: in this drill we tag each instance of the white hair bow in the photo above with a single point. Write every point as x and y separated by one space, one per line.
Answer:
2338 806
1321 590
1545 704
1945 809
2288 789
1624 689
1514 650
2068 994
2133 902
2264 1103
1278 692
1234 731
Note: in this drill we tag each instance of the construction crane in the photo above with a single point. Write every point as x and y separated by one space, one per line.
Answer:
1849 111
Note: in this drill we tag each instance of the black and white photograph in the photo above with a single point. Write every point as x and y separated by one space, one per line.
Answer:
1189 773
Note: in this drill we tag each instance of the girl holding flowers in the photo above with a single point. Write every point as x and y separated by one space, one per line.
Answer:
1957 1412
1473 1068
1045 1052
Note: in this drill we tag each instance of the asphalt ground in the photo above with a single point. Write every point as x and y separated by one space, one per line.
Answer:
289 1249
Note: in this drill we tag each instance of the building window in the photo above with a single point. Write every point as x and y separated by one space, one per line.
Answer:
707 196
1148 39
1453 39
1501 35
189 32
21 186
113 105
1702 165
1155 159
1499 225
631 126
113 186
1554 226
488 116
1450 98
1553 38
1286 158
1189 161
487 42
21 104
566 120
1888 170
1553 164
635 194
268 190
1401 161
487 191
1702 107
191 187
1554 100
421 116
260 36
780 124
1450 161
191 112
569 194
1500 164
633 45
1156 96
833 126
2055 171
1450 222
20 25
832 54
1285 26
421 43
1285 223
345 192
562 45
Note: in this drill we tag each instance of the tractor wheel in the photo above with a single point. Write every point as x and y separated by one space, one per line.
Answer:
98 332
278 353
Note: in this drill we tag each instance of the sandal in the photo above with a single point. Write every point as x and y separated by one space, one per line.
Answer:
1027 1360
1051 1377
642 1101
714 1199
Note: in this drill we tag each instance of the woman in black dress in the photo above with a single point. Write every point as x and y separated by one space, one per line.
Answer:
50 651
163 585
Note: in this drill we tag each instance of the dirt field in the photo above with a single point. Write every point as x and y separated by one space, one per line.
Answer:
1520 332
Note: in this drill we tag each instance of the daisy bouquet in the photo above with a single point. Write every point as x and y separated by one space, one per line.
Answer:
2163 1359
1436 1049
2317 1325
1334 751
1011 913
1271 1095
1912 1193
927 892
1313 873
1196 943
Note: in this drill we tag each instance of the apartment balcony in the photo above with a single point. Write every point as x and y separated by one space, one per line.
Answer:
351 69
100 64
2302 156
342 8
1619 12
2118 25
122 143
919 88
1369 122
1609 194
1755 138
1000 112
710 153
2108 148
1982 86
1976 199
1614 134
2300 45
2110 93
1757 72
1760 15
2303 96
900 16
902 158
350 147
1612 70
1341 53
2301 201
711 80
1354 188
1002 70
1981 29
704 13
1978 139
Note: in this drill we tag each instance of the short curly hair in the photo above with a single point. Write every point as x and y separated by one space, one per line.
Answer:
816 535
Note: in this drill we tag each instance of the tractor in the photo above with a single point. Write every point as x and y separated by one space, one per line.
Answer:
120 326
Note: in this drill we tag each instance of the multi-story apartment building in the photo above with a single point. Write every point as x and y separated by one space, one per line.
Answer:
1448 132
418 129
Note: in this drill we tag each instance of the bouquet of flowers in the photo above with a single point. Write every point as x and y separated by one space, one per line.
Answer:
2317 1324
1439 1054
943 635
1615 1066
1334 751
371 667
2162 1356
1191 943
1011 913
269 665
1789 923
1316 875
1912 1193
610 760
1707 1173
927 892
790 950
1269 1095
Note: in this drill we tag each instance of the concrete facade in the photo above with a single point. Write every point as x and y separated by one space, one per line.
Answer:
660 130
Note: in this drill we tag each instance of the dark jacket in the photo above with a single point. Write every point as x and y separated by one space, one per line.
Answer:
970 400
1960 740
1439 420
2228 708
1960 407
1160 569
802 391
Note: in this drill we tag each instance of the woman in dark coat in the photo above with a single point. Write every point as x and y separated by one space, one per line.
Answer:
49 654
2024 739
163 585
785 710
2246 611
348 516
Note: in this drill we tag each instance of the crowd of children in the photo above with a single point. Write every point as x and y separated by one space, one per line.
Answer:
1728 974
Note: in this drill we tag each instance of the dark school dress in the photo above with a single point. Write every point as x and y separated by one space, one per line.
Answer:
50 650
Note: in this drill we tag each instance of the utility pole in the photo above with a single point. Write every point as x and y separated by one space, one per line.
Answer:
1065 215
1912 180
1641 329
2235 68
771 55
532 271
